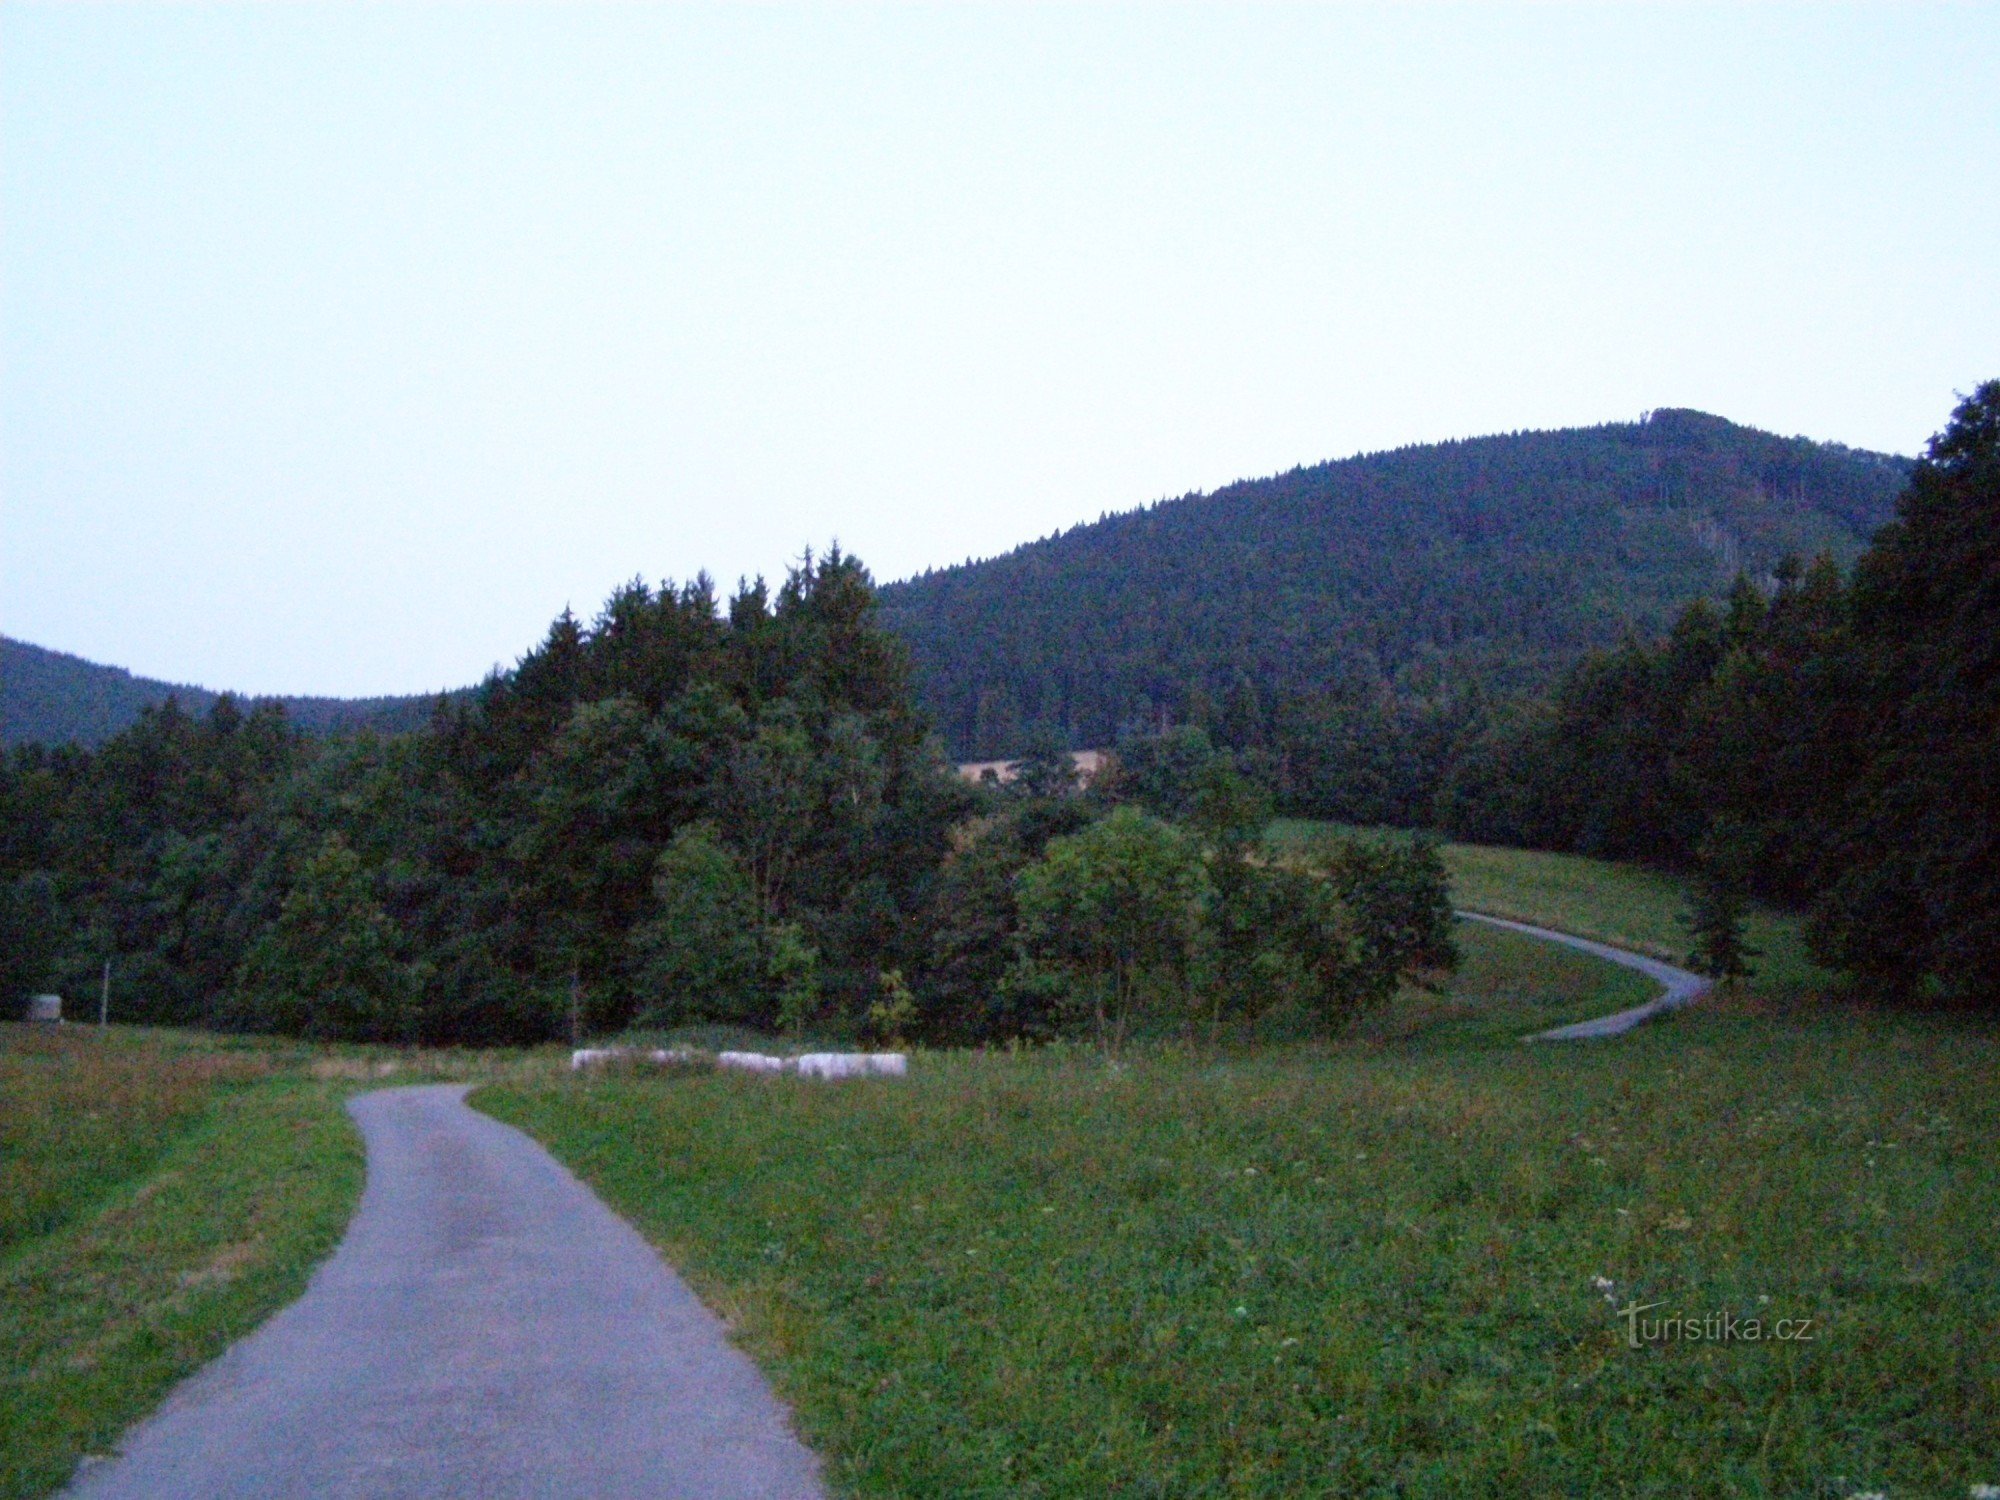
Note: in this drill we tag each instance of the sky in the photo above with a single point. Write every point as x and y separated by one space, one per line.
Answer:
343 346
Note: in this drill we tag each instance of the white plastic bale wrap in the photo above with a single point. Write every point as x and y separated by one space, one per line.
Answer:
586 1057
853 1064
750 1062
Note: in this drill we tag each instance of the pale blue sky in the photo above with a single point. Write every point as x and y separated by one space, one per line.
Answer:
344 345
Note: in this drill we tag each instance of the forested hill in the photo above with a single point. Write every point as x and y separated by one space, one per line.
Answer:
1493 560
53 698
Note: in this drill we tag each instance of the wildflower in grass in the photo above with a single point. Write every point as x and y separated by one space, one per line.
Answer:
1607 1288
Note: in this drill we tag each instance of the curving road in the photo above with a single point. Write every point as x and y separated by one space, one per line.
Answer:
487 1329
1681 987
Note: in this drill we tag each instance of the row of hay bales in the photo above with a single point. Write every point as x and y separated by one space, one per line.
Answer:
807 1065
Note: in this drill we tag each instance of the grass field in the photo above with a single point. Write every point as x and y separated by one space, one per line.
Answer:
1388 1263
1507 986
1385 1265
163 1193
1624 904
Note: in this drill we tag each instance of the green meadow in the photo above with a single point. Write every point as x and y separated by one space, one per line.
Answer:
1390 1263
161 1193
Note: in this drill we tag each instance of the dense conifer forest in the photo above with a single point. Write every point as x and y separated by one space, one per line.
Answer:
1432 577
1414 583
697 811
681 813
1828 739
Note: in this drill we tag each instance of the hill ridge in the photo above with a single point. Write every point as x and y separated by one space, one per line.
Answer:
56 697
1483 563
1897 463
1498 558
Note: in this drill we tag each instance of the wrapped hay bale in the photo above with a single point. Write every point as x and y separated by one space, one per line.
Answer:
751 1062
853 1064
657 1057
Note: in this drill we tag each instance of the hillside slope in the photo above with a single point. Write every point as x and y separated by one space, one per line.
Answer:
53 698
1495 559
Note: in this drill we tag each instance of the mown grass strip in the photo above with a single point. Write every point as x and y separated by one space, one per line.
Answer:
100 1318
1351 1269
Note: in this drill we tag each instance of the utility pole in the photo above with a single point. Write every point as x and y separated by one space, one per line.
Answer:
104 997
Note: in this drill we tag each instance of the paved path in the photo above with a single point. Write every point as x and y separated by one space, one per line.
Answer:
487 1329
1682 988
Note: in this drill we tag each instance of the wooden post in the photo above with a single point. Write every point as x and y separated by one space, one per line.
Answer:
104 997
575 1009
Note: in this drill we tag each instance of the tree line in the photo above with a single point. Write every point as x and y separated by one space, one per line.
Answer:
1824 737
688 811
692 810
1831 742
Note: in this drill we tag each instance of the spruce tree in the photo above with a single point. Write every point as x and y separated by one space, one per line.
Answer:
1714 921
1717 904
1045 768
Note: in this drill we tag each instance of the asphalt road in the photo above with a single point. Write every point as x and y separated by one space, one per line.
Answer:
1679 986
487 1329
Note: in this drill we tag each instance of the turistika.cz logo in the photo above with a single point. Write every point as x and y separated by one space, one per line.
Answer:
1709 1328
